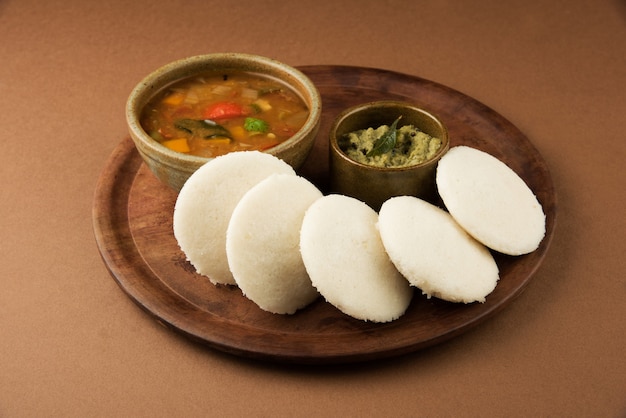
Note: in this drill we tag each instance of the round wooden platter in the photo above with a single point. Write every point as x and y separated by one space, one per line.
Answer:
132 217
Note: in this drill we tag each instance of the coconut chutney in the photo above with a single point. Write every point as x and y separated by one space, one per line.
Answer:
412 146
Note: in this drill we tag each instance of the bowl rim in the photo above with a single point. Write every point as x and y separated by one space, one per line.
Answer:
334 145
160 78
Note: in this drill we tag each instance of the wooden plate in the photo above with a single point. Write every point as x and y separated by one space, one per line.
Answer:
132 216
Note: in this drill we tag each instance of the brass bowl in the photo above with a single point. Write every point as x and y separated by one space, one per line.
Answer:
174 168
374 185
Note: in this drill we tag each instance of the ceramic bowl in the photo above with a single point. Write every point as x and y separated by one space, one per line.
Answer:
374 185
174 168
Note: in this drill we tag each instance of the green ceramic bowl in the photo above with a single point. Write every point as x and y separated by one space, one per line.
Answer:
174 168
374 185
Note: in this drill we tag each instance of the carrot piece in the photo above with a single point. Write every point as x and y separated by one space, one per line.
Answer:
174 99
178 144
219 141
238 133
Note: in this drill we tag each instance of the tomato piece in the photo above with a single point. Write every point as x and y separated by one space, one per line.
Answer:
224 110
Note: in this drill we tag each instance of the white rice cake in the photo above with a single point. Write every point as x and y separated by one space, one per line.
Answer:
206 202
490 201
434 253
347 263
262 243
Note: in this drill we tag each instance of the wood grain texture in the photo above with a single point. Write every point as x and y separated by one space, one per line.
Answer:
132 216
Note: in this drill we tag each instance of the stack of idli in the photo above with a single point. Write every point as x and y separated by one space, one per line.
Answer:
206 202
446 253
247 219
238 219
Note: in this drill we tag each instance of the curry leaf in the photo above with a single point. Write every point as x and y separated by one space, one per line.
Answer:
386 142
206 129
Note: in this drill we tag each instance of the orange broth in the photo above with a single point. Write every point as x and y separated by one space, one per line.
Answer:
213 115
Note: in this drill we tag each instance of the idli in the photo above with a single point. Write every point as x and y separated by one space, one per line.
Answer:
345 258
490 201
206 202
434 253
262 243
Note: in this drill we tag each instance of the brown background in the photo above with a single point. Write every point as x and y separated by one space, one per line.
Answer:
71 342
